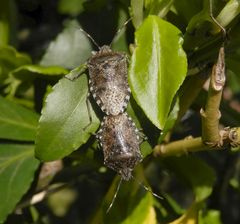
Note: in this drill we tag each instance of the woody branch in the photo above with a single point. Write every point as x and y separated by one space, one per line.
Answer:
212 137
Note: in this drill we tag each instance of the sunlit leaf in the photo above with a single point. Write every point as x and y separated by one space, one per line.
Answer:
70 49
29 71
210 217
158 68
189 217
64 125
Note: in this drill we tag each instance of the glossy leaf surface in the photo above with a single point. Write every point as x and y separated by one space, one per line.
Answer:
28 71
70 49
64 125
158 68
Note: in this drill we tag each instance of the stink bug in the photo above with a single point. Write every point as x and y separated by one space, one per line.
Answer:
108 80
120 141
107 77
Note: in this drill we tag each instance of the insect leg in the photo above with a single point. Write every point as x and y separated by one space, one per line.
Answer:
89 112
75 73
142 136
147 188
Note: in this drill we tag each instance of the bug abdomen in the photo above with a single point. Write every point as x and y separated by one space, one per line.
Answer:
120 141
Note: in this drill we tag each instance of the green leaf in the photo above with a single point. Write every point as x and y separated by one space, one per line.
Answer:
210 217
73 7
145 147
17 167
70 49
173 204
11 59
159 7
190 216
143 212
233 79
120 41
27 72
188 9
157 69
64 119
201 178
170 121
134 202
198 20
17 122
136 12
25 75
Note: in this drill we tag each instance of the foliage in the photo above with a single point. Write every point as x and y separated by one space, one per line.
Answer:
171 46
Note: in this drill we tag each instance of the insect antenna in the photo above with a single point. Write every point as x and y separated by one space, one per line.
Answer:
140 183
115 195
147 188
119 30
89 36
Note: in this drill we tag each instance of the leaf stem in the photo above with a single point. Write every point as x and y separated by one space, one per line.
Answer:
211 114
228 136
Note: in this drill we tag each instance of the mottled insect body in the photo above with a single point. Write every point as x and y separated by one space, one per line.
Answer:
120 141
118 135
108 84
108 80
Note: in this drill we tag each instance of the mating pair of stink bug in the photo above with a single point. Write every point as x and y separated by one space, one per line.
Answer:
118 135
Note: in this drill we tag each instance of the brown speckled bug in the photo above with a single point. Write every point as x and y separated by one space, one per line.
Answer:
108 84
120 140
108 80
118 135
